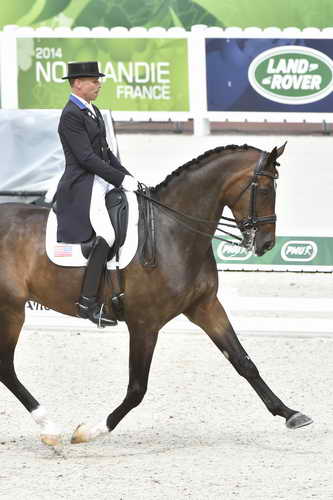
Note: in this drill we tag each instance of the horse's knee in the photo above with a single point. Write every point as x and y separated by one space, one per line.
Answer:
246 368
135 394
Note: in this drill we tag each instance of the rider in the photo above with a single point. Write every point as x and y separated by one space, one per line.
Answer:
91 171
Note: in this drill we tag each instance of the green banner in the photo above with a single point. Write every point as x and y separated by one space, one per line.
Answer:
167 13
293 251
142 74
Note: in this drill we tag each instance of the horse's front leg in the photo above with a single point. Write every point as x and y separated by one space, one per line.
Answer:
11 322
212 318
142 345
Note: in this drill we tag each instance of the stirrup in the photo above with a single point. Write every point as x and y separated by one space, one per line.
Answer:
88 308
96 316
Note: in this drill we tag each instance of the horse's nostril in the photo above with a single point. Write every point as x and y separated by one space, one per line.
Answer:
268 245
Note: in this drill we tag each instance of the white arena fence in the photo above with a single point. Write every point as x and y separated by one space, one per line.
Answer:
207 74
297 317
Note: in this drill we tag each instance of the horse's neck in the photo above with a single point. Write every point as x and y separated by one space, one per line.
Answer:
196 193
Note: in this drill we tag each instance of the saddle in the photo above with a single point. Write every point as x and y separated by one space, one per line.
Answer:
117 207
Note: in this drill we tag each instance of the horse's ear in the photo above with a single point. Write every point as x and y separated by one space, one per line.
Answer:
280 150
272 157
275 153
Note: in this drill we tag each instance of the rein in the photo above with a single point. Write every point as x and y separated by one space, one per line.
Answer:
247 226
195 219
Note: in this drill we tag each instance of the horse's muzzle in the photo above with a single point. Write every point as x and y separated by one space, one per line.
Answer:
263 243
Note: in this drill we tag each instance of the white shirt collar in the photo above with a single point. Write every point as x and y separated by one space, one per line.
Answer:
87 104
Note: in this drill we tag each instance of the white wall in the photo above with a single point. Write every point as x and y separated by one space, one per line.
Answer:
305 188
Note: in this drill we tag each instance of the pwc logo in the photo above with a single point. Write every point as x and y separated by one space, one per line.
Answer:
299 250
292 74
227 251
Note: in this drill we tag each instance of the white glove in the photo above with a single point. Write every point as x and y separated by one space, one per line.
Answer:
129 183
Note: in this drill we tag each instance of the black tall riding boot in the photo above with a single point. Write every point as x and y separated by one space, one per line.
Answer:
88 307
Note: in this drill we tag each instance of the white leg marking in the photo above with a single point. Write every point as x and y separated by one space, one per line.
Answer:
50 433
83 433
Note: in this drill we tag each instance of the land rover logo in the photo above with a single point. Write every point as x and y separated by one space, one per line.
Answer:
299 250
292 74
227 251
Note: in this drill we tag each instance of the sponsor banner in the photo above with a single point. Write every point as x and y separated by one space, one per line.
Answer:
288 251
142 74
39 317
266 75
34 306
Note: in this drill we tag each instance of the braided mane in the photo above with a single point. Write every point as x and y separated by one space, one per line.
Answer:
199 159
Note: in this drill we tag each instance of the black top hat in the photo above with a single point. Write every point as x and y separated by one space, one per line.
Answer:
82 69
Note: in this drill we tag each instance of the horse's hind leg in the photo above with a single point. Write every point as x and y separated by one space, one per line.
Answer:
11 322
212 318
142 347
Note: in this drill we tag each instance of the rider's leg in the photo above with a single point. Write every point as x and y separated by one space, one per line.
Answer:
99 216
88 305
100 220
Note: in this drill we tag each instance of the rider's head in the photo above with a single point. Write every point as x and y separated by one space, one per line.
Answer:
84 79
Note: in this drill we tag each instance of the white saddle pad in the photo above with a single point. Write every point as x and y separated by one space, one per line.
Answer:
69 254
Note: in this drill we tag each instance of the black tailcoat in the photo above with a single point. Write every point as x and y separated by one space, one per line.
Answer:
83 139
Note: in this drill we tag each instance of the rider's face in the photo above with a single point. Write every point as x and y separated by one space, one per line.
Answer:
87 87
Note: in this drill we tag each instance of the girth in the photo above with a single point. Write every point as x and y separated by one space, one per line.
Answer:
147 239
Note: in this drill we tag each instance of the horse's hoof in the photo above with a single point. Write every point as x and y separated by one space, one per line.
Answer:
298 420
81 434
53 440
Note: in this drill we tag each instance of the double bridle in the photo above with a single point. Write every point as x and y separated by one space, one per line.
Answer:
247 226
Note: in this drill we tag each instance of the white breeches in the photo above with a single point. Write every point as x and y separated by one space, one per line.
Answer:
98 214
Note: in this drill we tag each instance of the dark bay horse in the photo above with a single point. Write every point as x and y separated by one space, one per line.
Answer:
184 281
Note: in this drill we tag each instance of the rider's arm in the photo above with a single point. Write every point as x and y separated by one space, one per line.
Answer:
75 137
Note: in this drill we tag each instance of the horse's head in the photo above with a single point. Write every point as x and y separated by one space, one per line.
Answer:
254 206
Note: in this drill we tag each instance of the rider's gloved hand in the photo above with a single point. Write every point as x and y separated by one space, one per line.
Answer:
130 183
